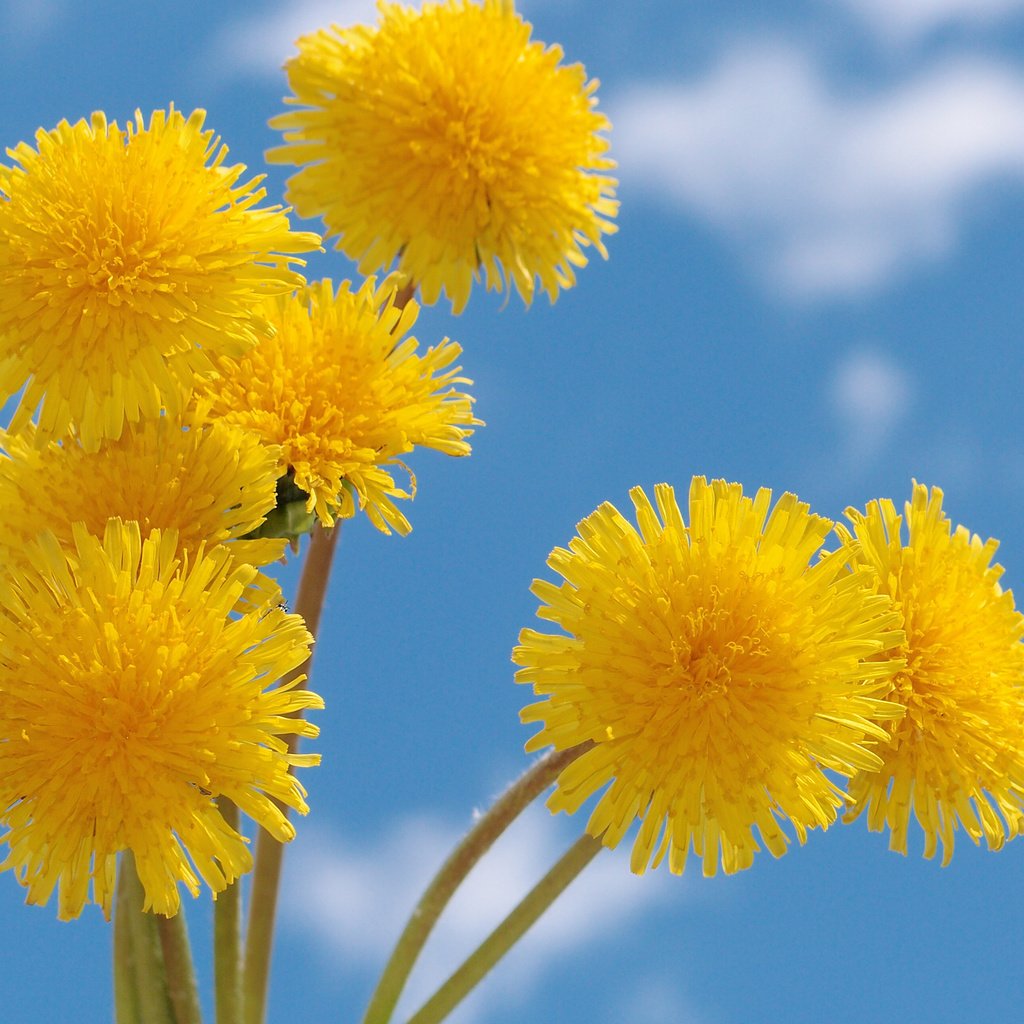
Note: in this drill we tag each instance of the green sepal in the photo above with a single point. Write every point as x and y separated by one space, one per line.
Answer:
289 518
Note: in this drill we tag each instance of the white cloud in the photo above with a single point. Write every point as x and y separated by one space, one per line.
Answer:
827 193
652 1000
356 900
903 21
870 395
23 22
259 44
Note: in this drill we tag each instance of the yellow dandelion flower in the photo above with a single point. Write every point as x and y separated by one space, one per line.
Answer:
210 484
445 137
714 669
130 699
345 394
957 757
128 257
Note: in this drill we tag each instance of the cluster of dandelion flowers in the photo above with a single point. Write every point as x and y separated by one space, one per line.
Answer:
445 137
130 699
957 756
211 484
714 670
128 257
344 393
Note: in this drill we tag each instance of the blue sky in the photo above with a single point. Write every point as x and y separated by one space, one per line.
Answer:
815 287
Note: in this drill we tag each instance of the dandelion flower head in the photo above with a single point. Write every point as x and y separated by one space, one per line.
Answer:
449 139
344 393
211 485
957 757
132 699
128 257
715 671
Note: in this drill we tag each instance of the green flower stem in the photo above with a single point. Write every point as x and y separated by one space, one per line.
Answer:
126 987
453 872
509 932
227 939
140 979
266 879
181 975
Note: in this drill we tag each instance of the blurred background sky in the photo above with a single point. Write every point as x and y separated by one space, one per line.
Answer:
815 287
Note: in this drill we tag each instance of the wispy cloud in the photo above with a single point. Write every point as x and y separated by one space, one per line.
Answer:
652 1000
356 898
22 22
826 192
258 44
908 20
870 395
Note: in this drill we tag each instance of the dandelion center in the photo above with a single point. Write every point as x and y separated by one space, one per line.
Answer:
115 259
723 644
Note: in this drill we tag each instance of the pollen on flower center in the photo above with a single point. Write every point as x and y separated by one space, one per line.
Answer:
708 676
116 267
484 151
130 708
722 650
123 730
699 671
